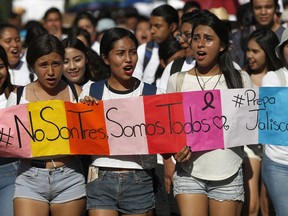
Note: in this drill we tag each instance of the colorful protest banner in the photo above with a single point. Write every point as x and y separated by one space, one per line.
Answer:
204 120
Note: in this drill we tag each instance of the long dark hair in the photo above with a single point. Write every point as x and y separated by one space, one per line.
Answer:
7 86
33 28
110 37
94 69
232 76
75 32
267 40
43 44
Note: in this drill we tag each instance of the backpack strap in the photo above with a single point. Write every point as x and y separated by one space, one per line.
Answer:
177 65
179 81
149 89
97 88
148 53
19 92
31 76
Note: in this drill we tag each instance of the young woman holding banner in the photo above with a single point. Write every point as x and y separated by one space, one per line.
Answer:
123 184
210 182
50 185
275 159
8 166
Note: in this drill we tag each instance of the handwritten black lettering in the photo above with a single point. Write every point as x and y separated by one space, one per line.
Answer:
5 136
17 122
252 99
169 111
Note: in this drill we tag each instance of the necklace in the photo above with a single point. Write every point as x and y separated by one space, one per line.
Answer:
109 89
205 82
39 99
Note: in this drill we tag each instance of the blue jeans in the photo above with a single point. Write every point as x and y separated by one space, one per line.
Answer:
7 185
128 192
275 178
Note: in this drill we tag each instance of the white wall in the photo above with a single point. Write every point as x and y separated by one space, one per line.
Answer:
35 9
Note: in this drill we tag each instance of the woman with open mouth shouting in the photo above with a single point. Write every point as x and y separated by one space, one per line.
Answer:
210 182
53 184
11 42
121 185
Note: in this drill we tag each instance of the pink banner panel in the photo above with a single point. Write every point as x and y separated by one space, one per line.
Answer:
15 132
124 123
204 123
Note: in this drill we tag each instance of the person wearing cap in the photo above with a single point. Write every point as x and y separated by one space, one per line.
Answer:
275 159
102 25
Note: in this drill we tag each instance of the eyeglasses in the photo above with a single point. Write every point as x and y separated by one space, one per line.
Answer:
186 37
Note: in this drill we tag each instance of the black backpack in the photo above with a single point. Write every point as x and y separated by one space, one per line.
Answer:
177 65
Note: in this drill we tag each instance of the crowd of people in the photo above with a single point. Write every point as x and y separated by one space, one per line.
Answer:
104 58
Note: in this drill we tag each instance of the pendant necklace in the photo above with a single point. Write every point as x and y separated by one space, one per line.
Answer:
205 82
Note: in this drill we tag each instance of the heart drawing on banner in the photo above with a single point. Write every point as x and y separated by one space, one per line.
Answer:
220 122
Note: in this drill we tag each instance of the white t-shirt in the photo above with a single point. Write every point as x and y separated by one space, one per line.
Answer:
217 164
88 83
127 161
3 101
148 75
96 47
276 153
20 75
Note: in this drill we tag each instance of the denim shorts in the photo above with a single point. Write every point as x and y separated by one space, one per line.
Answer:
57 185
128 192
230 189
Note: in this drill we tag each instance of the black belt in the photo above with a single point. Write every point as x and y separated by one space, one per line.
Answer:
38 163
4 161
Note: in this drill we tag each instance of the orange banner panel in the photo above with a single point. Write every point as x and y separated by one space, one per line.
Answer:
86 125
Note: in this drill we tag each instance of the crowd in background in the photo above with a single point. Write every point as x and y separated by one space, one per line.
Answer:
124 54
